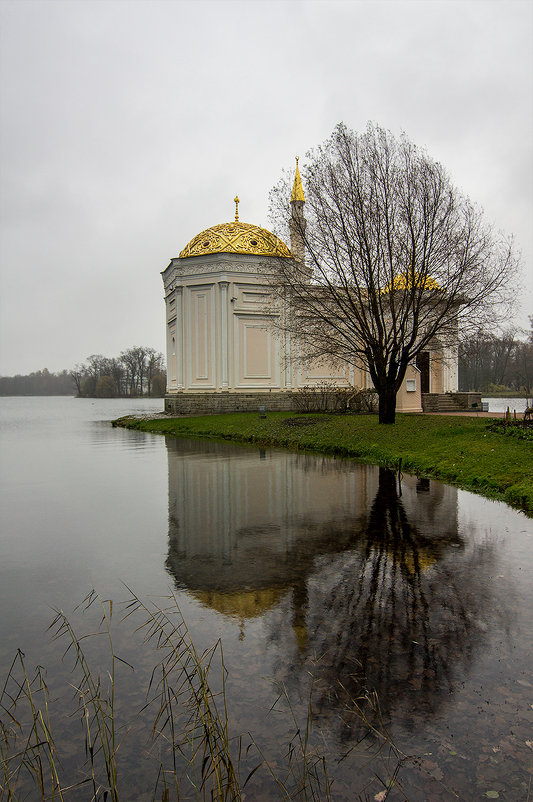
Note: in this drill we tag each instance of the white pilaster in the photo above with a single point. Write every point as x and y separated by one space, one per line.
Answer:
180 333
223 377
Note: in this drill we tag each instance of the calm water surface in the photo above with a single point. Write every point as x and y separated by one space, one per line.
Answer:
502 404
320 577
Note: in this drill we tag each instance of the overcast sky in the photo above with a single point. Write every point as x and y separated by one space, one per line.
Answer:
128 127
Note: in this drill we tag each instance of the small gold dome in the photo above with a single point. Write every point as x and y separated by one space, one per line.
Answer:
236 237
404 281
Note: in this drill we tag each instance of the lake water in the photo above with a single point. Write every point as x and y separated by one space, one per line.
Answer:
323 579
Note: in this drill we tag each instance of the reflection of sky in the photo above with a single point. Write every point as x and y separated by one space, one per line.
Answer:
77 501
482 520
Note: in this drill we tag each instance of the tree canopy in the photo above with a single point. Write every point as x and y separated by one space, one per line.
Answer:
137 371
395 257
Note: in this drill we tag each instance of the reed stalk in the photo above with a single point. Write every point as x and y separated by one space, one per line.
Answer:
198 756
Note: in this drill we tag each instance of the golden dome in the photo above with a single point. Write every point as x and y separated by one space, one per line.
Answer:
404 281
236 237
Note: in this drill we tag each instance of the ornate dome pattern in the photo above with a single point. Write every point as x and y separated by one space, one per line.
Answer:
236 237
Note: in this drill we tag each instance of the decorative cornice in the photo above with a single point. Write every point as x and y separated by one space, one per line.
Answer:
239 264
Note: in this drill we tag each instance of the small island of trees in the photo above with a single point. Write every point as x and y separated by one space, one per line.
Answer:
137 371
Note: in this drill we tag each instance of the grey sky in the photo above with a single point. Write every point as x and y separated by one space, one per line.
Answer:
128 127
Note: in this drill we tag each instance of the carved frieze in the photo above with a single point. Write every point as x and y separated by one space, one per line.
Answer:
189 268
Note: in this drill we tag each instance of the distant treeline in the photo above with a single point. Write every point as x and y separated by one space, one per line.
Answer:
135 372
42 382
497 362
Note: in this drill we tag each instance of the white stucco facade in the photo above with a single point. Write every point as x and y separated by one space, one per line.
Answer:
222 334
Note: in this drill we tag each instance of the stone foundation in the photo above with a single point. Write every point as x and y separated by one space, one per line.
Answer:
219 403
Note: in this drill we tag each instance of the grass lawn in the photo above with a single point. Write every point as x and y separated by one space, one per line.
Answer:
478 454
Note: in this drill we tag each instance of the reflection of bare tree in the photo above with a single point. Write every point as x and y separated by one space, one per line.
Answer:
401 615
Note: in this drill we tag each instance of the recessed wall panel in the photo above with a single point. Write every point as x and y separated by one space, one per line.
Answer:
201 341
320 371
256 355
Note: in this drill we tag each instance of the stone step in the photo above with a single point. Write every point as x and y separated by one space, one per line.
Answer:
446 402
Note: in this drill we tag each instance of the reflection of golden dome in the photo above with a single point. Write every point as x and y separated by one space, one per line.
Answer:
236 237
241 604
425 561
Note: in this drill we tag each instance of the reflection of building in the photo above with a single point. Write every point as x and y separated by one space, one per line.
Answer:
246 527
224 351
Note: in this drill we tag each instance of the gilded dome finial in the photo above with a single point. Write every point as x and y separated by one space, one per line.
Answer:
297 189
237 201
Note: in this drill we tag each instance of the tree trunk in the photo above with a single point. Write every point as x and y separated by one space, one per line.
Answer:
387 405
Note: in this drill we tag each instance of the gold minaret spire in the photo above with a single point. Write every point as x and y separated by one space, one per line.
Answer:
297 223
297 188
236 199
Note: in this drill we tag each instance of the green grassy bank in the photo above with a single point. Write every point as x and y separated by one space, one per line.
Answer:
478 454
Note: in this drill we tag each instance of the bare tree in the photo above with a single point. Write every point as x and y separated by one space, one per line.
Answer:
523 363
394 257
93 369
487 359
141 353
116 371
523 368
130 360
492 362
77 373
154 367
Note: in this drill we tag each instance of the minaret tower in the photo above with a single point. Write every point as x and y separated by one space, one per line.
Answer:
297 222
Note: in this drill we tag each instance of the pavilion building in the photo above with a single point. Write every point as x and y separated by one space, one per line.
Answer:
225 352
